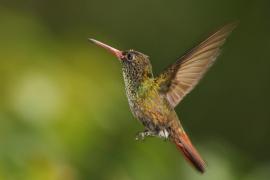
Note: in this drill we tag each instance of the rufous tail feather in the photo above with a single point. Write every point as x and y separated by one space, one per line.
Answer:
184 144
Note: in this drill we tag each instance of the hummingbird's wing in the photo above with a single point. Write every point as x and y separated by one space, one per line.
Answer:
181 77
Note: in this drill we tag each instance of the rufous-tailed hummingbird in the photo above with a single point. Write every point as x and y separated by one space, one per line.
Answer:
152 99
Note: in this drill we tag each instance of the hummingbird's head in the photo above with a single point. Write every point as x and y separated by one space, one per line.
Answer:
136 65
134 60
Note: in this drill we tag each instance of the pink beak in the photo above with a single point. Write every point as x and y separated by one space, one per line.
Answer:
116 52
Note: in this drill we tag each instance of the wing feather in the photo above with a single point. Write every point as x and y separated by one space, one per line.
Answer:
180 78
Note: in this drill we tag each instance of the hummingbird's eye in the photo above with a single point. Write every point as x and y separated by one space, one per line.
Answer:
130 56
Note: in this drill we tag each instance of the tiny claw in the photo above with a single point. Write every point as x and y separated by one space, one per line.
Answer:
140 136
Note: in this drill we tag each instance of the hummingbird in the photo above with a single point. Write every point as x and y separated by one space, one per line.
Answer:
152 99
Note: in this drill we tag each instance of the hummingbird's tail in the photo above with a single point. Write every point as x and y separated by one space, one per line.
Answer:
184 144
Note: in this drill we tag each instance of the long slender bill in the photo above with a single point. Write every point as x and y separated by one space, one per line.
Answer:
116 52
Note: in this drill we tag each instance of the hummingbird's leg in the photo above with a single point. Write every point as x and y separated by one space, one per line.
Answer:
145 133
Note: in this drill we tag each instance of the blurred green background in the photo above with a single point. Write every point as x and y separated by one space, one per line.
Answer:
63 110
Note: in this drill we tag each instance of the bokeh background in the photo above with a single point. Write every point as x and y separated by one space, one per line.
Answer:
63 110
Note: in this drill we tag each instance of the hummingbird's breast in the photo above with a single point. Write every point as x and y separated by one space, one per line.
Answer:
145 101
151 108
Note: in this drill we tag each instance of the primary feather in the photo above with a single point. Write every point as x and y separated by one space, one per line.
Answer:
180 78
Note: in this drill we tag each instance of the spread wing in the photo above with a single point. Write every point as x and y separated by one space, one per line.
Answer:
180 78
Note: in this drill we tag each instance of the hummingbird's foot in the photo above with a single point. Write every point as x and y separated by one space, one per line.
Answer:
164 134
141 135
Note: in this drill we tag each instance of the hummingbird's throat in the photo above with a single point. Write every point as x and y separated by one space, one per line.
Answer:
135 76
